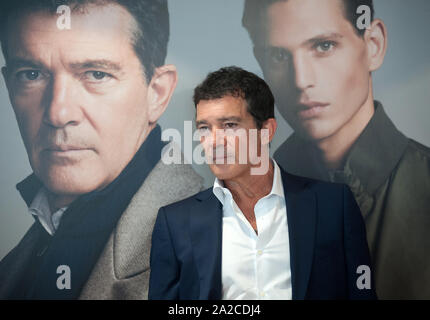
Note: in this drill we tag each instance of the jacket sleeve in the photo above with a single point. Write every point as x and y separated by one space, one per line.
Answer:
164 275
359 269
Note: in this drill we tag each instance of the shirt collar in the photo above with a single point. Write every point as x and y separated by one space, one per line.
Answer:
369 162
376 152
277 187
39 208
222 192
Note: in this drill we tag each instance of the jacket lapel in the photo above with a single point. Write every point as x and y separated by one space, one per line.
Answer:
127 252
207 243
301 213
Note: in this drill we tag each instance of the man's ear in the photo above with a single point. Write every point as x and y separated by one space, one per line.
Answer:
271 125
160 90
376 41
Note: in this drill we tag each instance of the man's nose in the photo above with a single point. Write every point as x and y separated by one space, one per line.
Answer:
304 75
218 138
61 101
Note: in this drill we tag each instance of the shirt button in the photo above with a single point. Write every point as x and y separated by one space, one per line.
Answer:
260 252
262 294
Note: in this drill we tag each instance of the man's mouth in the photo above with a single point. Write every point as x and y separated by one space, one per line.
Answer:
222 158
310 109
64 150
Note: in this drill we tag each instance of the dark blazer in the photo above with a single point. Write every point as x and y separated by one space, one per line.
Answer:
326 234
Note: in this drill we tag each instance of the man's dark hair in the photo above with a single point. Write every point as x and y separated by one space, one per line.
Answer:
236 82
255 10
149 38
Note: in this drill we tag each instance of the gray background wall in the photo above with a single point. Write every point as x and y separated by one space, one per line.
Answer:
206 35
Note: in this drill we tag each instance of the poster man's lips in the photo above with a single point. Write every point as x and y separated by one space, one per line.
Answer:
311 109
312 104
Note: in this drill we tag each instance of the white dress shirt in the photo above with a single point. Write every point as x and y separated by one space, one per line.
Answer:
255 266
40 208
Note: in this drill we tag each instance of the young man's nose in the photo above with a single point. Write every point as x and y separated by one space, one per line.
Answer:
304 76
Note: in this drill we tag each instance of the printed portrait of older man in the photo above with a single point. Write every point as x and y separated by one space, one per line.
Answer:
87 98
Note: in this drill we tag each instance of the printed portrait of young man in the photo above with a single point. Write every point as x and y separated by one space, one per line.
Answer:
319 58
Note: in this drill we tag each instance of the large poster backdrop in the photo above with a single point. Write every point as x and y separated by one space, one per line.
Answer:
208 34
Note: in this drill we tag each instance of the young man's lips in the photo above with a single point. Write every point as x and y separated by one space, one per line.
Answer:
311 109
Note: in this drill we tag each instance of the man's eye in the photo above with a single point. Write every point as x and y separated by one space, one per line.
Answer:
97 75
203 129
325 46
230 125
28 75
277 56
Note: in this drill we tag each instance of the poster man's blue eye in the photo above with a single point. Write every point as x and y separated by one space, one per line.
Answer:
325 46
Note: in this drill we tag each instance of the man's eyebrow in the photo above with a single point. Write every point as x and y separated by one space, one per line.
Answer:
96 64
324 36
16 63
233 118
199 122
220 120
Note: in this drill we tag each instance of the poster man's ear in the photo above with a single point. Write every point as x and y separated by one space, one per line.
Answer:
160 90
376 40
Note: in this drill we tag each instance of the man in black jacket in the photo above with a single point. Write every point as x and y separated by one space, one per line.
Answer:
259 233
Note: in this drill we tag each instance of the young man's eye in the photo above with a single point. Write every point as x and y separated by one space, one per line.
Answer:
277 56
325 46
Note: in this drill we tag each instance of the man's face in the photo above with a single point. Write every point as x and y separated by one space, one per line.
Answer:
224 125
316 65
79 95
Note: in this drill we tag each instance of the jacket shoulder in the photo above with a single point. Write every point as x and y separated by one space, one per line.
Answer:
412 174
295 182
419 149
187 203
414 165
